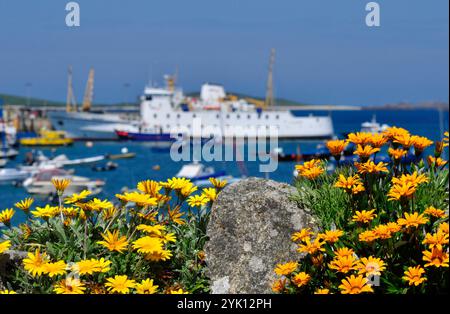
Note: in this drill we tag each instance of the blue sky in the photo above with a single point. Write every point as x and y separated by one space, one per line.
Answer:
325 52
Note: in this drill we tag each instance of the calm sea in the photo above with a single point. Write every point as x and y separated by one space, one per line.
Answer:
130 171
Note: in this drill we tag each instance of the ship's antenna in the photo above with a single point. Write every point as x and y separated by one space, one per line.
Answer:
269 91
89 91
71 103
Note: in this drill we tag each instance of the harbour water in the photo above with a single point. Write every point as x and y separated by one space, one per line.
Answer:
429 123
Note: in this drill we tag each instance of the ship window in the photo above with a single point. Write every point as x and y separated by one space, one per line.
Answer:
238 116
277 117
248 116
155 116
228 116
217 116
194 115
148 97
178 116
168 115
267 116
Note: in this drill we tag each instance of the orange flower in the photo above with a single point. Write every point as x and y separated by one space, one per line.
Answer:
414 275
301 279
312 173
301 235
438 162
436 257
406 140
367 236
415 179
279 285
435 212
331 236
420 143
378 140
402 190
313 163
371 167
382 232
365 151
311 247
359 138
336 147
364 216
396 154
394 131
343 252
371 266
344 264
355 285
436 240
348 183
412 220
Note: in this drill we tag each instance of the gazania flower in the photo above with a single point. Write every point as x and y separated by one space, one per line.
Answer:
313 163
301 279
74 198
69 286
114 242
176 215
435 212
179 291
367 236
46 212
279 285
7 292
436 240
436 162
91 266
343 264
370 167
394 131
445 139
397 153
138 198
406 140
357 189
218 184
312 173
331 236
355 285
188 189
4 246
162 255
70 212
412 220
168 237
377 140
149 187
146 287
420 143
35 262
415 179
443 227
301 235
311 247
413 275
364 216
393 227
109 213
286 269
6 215
25 204
404 190
382 232
359 138
155 229
348 183
336 147
54 269
436 258
371 266
119 284
344 252
99 205
176 183
365 152
60 184
210 193
148 245
197 200
322 291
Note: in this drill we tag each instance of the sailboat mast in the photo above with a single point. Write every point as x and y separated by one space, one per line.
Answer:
70 95
269 102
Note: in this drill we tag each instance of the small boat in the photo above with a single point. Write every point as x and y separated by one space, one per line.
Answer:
123 155
106 167
373 126
8 153
196 171
41 184
3 162
145 136
9 175
48 138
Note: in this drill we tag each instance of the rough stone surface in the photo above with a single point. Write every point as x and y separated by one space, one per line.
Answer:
8 261
249 233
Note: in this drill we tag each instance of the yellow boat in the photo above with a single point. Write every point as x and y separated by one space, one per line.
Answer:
48 138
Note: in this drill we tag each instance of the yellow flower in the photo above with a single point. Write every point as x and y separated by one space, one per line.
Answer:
413 275
371 266
138 198
176 215
148 245
25 204
397 153
359 138
312 173
355 285
371 167
74 198
331 236
6 215
176 183
91 266
70 212
403 190
169 237
35 262
358 189
188 189
301 279
436 257
377 140
301 235
322 291
113 242
365 151
69 286
149 187
364 216
54 269
99 205
406 140
197 200
311 247
210 193
394 131
162 255
383 232
445 139
438 162
436 240
156 229
336 147
313 163
179 291
443 227
344 252
343 264
367 236
46 212
4 246
393 227
7 292
120 284
60 184
349 183
420 143
435 212
146 287
415 179
109 213
279 285
412 220
218 184
286 269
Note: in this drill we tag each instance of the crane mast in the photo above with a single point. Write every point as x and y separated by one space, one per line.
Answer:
269 101
89 92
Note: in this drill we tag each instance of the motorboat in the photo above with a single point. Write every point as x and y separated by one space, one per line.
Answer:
41 183
7 152
197 171
373 126
42 162
47 138
11 175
